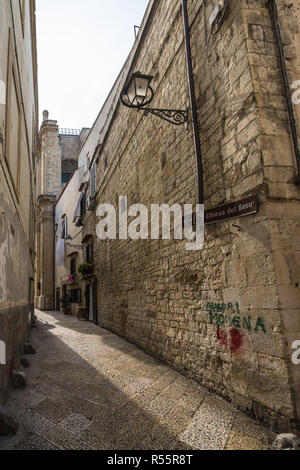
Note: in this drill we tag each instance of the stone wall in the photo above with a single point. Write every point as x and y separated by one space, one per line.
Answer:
58 154
278 160
226 315
18 137
65 207
50 159
70 146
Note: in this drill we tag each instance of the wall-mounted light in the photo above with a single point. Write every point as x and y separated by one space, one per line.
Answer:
138 93
68 242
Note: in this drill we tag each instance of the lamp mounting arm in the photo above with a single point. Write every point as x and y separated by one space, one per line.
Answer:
174 116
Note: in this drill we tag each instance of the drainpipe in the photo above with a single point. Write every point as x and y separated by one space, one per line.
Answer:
196 129
287 90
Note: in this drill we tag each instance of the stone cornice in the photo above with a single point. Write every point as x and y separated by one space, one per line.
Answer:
46 199
50 126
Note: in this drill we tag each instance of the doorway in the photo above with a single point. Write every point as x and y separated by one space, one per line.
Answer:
91 302
88 300
95 309
58 299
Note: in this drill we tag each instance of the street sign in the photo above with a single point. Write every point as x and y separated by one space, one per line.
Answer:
246 206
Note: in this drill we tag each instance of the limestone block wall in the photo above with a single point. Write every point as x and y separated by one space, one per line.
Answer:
50 160
278 158
18 137
16 270
65 207
70 146
225 315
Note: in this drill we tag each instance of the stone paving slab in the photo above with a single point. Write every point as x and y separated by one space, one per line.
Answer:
89 389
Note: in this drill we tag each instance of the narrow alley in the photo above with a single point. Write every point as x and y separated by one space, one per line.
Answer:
150 227
88 389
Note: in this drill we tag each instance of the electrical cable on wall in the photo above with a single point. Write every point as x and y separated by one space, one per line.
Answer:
286 85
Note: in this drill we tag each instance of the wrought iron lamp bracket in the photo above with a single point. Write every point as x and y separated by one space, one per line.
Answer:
174 116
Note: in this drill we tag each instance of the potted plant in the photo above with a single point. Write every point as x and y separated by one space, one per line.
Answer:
85 269
82 313
65 305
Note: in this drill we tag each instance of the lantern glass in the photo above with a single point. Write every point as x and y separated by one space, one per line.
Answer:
142 87
131 92
138 92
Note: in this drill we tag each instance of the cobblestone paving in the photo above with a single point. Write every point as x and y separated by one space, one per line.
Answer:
89 389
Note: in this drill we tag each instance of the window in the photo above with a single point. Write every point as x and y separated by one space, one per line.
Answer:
93 181
64 228
83 205
73 267
65 177
87 162
64 290
80 210
90 253
75 296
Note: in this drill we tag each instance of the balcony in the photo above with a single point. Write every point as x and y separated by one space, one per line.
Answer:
86 270
73 279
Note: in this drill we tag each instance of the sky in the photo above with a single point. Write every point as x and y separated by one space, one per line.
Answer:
82 46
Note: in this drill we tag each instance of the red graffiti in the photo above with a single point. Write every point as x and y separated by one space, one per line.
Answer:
222 336
236 338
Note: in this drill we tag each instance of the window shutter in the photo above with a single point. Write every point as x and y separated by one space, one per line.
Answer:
93 181
83 204
64 229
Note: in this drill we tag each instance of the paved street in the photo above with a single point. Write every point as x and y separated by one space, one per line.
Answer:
89 389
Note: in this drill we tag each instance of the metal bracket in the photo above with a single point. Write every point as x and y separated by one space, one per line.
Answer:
174 116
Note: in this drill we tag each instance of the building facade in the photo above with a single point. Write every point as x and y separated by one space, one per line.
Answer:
75 280
18 141
227 315
57 161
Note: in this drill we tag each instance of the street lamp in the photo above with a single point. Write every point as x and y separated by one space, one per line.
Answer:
68 241
138 93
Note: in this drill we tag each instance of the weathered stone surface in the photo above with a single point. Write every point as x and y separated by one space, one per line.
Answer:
18 146
57 158
19 379
25 362
7 425
92 390
217 315
286 442
29 349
